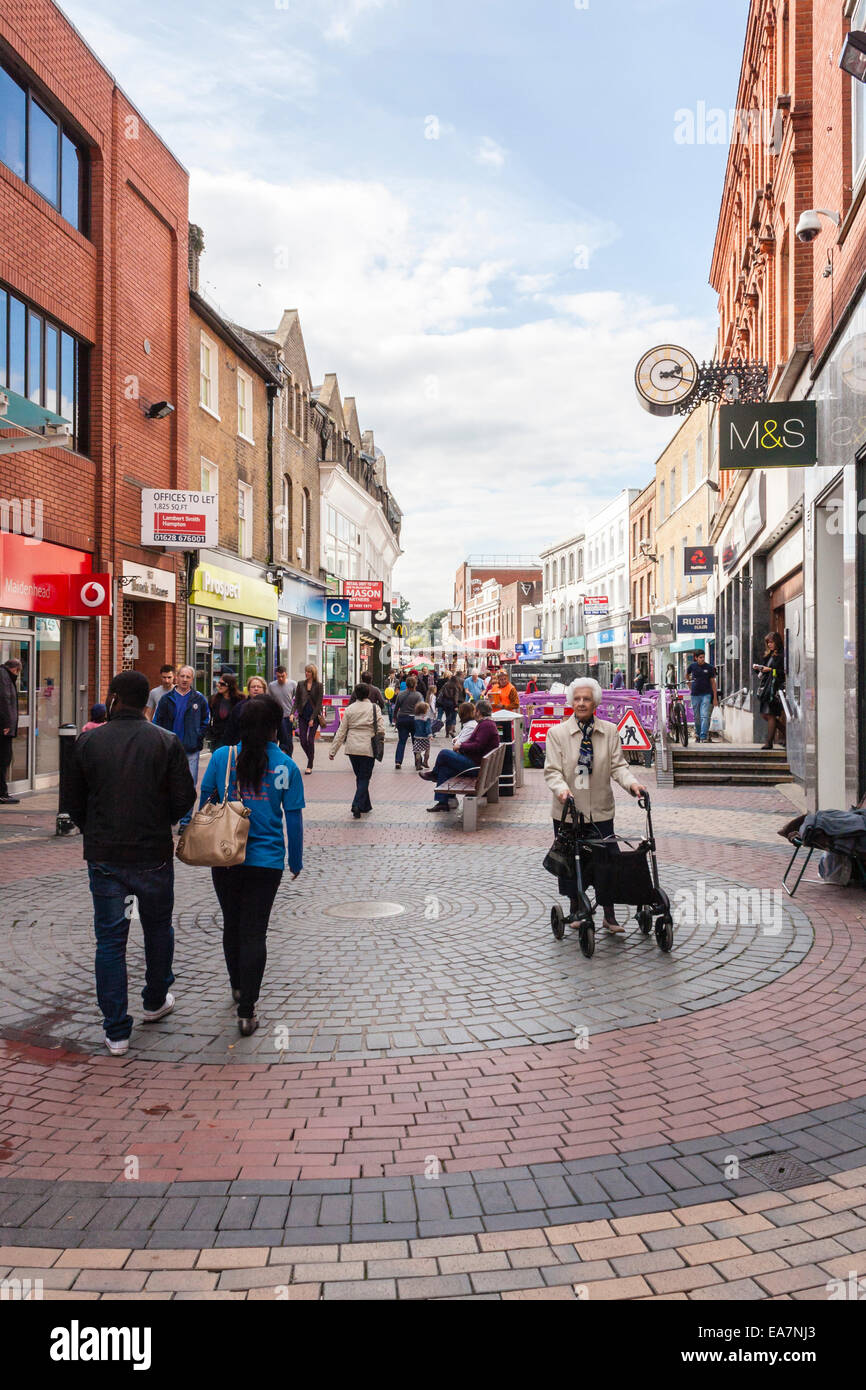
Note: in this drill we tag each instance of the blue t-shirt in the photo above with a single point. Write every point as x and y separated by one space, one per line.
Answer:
281 795
180 704
474 687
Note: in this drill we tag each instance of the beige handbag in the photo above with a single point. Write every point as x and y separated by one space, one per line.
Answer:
217 834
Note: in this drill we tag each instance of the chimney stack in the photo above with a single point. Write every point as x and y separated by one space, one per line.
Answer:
196 246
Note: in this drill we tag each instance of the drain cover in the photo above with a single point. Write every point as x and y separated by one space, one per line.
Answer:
780 1171
364 909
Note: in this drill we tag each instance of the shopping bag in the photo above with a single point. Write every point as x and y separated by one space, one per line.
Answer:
717 721
559 859
378 740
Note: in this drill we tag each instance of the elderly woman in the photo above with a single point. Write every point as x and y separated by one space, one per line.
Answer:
583 757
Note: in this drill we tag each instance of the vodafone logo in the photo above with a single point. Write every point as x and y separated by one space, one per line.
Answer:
92 595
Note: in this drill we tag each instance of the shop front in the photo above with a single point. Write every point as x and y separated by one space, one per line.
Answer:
149 596
607 649
42 626
641 653
232 624
301 621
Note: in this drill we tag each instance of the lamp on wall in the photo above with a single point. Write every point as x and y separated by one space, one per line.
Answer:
852 59
160 410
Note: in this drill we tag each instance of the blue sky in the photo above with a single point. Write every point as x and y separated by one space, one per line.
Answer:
479 210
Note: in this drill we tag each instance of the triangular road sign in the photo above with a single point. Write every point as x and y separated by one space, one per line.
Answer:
632 733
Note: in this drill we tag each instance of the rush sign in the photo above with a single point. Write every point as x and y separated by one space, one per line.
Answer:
775 434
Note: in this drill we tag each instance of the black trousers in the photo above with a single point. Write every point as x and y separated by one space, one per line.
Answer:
246 895
5 762
363 770
307 734
597 830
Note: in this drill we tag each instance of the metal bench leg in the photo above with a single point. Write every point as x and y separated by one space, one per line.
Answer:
470 813
797 848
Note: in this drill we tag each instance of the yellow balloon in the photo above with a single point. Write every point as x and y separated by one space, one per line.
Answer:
389 693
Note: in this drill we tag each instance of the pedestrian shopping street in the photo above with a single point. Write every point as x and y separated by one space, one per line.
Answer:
443 1100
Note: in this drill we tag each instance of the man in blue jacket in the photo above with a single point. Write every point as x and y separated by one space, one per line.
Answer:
185 712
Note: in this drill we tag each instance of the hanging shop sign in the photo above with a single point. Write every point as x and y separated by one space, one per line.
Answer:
179 520
698 559
364 595
138 581
382 618
778 434
696 624
639 625
337 610
335 634
661 629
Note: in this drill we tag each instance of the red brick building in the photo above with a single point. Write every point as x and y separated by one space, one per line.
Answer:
93 297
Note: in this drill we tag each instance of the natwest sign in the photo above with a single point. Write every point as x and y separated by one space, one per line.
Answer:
179 520
364 595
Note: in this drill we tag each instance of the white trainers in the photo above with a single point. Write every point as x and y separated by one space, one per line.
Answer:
118 1046
151 1015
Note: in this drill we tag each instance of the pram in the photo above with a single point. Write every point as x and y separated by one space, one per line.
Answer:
581 859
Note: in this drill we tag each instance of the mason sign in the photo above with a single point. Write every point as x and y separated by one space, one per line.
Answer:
777 434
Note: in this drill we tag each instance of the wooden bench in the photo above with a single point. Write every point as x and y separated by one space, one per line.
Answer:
485 784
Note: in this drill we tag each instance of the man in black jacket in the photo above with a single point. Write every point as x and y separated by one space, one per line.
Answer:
9 673
129 781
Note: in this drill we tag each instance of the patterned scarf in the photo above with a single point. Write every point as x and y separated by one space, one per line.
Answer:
584 757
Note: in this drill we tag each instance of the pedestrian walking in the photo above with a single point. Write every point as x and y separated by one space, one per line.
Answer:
483 739
422 732
405 713
772 673
361 720
583 756
222 705
447 701
9 673
618 680
703 693
185 712
166 683
124 791
268 783
307 711
97 718
283 689
390 696
375 693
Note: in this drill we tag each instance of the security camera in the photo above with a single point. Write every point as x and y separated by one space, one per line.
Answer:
809 225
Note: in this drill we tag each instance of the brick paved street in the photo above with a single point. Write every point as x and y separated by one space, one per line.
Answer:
443 1100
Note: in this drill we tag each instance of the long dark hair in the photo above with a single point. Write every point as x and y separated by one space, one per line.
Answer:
258 725
774 640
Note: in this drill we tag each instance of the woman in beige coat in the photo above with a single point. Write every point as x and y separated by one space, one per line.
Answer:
583 756
360 720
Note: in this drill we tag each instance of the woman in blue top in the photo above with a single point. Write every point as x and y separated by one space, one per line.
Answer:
269 784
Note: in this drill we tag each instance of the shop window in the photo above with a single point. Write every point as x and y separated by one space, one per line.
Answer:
36 147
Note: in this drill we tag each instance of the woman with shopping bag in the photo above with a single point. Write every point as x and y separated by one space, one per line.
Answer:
267 782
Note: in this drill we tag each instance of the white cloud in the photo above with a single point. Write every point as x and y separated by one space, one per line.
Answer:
490 153
500 433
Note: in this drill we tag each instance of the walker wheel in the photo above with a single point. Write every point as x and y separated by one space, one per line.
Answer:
557 922
645 919
664 933
587 940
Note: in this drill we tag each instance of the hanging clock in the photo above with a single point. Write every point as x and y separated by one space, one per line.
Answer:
665 377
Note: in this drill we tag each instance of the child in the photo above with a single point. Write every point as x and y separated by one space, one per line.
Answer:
421 734
97 717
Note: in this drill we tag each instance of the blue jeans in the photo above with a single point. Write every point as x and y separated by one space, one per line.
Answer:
405 728
448 764
701 705
192 760
113 887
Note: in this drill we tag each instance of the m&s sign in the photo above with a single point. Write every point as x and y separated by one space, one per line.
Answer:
776 434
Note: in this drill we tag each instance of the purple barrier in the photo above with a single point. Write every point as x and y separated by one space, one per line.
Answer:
331 707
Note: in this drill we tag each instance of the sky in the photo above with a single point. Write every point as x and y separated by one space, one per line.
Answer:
484 211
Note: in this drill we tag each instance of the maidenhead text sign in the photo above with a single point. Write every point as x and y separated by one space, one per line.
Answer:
776 434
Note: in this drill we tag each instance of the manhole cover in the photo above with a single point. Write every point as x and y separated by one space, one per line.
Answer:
780 1171
361 909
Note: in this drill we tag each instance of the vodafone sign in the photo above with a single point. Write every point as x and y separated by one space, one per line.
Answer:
89 596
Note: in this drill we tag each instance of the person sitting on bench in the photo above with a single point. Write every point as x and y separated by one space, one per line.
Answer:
484 739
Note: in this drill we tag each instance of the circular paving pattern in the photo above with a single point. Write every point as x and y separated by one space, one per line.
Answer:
468 965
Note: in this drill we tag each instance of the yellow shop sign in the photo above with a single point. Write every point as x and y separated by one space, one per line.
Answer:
236 593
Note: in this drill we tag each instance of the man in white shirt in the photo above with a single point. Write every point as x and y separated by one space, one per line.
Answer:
166 676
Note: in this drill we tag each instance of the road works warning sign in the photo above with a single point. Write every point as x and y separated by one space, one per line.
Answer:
632 733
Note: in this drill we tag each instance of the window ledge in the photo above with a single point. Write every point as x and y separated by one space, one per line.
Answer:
208 411
245 438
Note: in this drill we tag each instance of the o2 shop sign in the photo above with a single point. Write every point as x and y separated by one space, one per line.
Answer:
775 434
